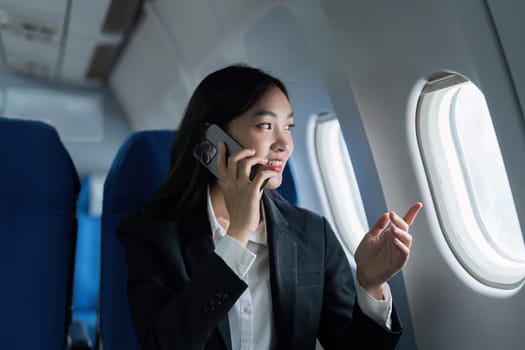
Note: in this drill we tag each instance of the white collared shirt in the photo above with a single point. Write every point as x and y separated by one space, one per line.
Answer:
251 317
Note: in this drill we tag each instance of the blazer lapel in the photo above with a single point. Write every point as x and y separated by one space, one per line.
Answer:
199 242
283 273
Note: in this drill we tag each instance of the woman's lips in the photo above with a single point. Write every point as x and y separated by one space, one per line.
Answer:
275 164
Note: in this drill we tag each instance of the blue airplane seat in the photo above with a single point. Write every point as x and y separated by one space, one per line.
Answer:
87 262
137 171
140 166
38 193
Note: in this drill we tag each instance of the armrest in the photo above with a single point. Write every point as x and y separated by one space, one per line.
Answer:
78 338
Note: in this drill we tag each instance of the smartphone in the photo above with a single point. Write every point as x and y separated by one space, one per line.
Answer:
206 151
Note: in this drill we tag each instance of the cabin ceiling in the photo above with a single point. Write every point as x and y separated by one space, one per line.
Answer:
75 41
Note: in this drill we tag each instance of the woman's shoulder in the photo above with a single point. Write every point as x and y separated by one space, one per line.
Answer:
293 212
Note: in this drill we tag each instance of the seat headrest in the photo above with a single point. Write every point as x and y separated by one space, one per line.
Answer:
140 166
36 168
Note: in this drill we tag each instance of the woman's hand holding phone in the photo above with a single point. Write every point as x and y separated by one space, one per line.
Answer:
242 196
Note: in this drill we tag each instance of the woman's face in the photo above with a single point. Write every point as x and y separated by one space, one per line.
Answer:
266 127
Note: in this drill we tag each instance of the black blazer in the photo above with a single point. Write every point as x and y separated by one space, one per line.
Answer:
180 291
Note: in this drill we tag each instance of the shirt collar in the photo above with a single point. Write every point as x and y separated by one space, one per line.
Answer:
258 236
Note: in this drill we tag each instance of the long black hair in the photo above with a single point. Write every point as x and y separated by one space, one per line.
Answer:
221 97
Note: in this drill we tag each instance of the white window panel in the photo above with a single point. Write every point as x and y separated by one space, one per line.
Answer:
339 182
469 183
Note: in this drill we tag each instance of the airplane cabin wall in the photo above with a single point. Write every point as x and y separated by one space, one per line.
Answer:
510 27
389 50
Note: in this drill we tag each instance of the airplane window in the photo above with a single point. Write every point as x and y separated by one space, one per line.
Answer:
339 182
469 182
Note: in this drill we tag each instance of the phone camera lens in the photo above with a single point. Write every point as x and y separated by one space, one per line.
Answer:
207 151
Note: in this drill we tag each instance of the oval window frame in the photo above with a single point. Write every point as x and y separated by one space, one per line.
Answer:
448 190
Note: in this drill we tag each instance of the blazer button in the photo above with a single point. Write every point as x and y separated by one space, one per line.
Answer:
221 295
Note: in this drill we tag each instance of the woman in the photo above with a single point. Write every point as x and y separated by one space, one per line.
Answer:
216 263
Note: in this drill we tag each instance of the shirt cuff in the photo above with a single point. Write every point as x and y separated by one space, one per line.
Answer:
378 310
237 257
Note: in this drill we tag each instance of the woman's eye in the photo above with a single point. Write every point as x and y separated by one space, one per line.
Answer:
290 126
264 125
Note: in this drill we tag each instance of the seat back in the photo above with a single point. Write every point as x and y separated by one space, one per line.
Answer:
140 166
38 191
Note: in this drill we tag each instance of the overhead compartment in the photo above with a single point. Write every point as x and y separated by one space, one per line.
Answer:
72 41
